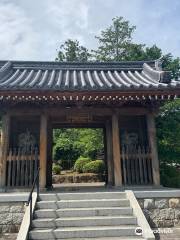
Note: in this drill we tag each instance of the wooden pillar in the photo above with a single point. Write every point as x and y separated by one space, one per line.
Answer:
116 151
151 128
109 155
49 155
4 148
43 149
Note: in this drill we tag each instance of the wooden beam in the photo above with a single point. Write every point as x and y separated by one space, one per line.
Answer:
116 150
75 110
151 128
43 149
4 148
109 154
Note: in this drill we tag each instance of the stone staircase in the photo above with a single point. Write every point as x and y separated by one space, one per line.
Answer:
92 215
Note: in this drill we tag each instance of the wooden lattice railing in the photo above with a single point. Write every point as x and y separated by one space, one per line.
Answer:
136 165
21 167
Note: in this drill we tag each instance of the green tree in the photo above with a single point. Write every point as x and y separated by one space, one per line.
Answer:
152 53
115 41
71 143
168 135
116 44
72 51
172 64
168 132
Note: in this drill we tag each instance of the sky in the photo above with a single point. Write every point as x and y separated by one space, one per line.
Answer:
34 29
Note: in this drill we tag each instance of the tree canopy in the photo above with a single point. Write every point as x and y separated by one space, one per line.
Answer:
115 43
71 143
71 51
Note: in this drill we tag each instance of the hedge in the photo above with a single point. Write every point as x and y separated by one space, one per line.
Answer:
96 166
80 163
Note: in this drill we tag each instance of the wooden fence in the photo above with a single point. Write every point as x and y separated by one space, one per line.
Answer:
21 167
136 165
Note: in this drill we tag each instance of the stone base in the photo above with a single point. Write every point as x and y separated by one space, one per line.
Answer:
161 212
11 215
8 236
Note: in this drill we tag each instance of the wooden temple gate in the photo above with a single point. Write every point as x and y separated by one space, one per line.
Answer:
128 154
122 98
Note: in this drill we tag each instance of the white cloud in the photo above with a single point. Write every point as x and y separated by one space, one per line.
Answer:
17 38
68 18
34 29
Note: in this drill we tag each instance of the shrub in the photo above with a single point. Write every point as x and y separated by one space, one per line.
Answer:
56 169
170 176
66 164
96 166
80 162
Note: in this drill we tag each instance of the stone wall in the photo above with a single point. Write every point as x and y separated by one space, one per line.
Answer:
161 212
11 215
77 178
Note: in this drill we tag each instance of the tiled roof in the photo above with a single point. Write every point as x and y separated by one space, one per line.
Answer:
60 76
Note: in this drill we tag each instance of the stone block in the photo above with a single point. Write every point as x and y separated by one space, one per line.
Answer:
149 203
177 222
154 214
17 218
161 203
6 218
9 228
16 209
167 214
177 213
168 223
174 203
4 208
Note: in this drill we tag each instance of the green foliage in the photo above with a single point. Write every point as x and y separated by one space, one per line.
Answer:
115 44
170 176
65 141
96 166
80 163
114 41
152 53
168 135
168 132
71 143
56 168
171 64
71 51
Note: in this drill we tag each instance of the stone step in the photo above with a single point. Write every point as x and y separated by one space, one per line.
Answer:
45 213
83 203
82 196
82 212
83 232
47 205
84 221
